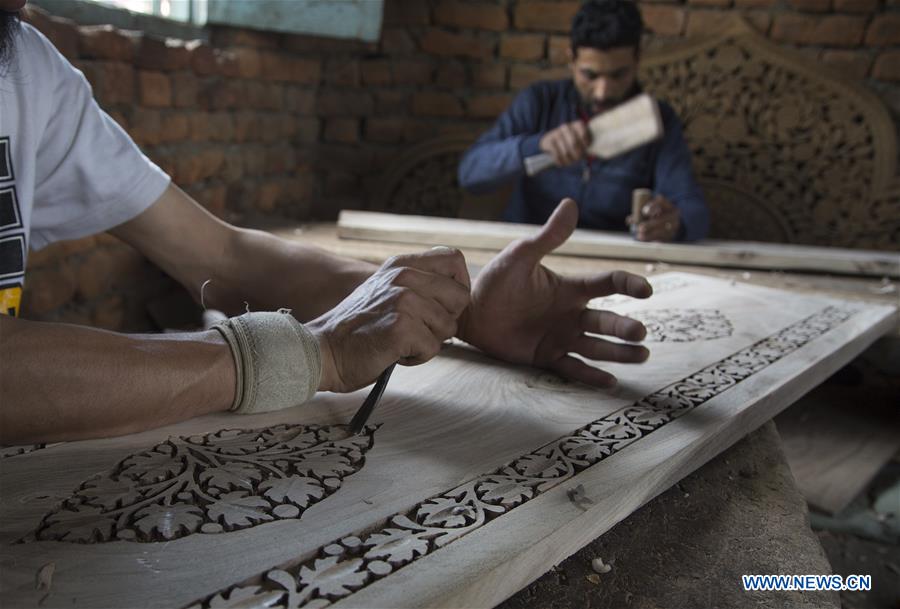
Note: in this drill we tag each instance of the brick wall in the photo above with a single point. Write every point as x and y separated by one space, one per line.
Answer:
258 123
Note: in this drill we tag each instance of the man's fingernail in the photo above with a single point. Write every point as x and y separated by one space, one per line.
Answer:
442 247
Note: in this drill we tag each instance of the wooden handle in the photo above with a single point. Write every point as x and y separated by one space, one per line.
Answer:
639 198
537 163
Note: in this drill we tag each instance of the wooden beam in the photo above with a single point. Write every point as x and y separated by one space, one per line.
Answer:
598 244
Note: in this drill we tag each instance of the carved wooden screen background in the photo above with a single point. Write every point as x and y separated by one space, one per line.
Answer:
784 150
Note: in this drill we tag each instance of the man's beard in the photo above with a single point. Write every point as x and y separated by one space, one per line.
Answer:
9 28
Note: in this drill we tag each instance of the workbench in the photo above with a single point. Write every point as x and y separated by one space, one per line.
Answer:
739 514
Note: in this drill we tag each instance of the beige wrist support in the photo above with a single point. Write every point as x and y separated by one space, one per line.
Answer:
277 361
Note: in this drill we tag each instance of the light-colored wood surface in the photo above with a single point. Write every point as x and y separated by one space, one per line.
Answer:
838 438
458 494
375 226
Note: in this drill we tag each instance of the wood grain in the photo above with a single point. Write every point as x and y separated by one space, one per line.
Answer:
462 497
423 230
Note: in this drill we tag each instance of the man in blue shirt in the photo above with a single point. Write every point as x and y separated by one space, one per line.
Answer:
551 117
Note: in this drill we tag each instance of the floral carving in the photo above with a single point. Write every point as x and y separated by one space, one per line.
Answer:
223 481
683 325
13 451
343 567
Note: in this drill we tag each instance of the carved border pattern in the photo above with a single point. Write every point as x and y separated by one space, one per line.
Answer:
345 566
228 480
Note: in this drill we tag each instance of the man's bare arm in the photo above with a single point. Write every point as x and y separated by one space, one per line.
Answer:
73 382
243 265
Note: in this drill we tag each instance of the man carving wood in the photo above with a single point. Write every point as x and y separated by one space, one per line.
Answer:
77 173
552 117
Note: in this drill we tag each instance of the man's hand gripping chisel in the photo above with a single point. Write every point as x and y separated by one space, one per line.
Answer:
368 405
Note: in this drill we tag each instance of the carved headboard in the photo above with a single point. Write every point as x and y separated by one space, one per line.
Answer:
785 150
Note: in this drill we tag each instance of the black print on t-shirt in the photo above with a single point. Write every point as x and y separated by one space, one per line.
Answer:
10 216
6 167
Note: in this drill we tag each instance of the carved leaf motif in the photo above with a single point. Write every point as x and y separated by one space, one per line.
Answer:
170 521
329 577
541 465
396 545
237 509
505 490
248 597
231 475
83 523
444 512
587 450
295 489
153 465
217 482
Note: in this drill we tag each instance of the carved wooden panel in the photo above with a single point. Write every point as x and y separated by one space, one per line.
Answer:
474 478
785 150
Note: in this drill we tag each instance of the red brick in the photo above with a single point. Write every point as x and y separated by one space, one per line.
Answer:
887 66
811 6
201 57
406 13
718 3
488 106
246 126
248 63
706 22
284 68
220 94
387 130
397 41
345 103
264 96
236 37
174 127
833 30
558 50
884 30
221 126
391 101
755 3
63 33
436 104
855 6
145 126
342 72
342 130
113 82
199 126
307 131
185 90
305 71
168 55
105 42
269 194
664 20
226 63
154 89
489 76
545 16
479 16
109 313
761 21
324 46
440 42
451 75
213 198
340 183
199 165
523 75
254 160
300 101
412 71
850 64
232 168
376 72
524 47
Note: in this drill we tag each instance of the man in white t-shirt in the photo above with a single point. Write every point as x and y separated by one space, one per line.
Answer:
67 170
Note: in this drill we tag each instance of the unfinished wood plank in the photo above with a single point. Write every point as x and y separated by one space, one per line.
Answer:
459 493
599 244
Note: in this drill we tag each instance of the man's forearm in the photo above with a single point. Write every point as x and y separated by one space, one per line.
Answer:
269 273
69 382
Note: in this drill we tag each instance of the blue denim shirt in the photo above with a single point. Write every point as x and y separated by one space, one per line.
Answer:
604 192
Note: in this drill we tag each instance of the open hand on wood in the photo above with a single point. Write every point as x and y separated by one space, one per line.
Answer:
524 313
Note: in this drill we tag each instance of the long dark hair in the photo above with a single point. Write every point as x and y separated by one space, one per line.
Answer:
9 28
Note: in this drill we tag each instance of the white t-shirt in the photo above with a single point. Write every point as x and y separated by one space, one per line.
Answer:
67 170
